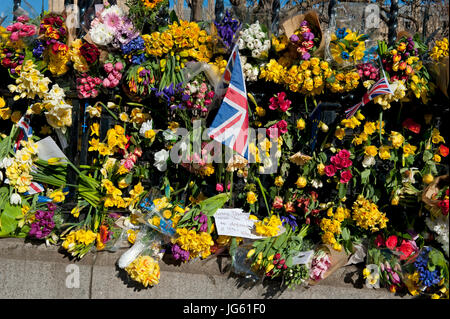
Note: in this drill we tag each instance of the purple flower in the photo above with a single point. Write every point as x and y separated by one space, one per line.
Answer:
179 253
227 28
294 38
306 56
308 36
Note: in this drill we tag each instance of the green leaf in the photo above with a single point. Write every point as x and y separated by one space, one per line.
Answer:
345 233
289 261
342 190
8 219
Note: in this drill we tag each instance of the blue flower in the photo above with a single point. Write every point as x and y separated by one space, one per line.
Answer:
341 33
291 220
345 55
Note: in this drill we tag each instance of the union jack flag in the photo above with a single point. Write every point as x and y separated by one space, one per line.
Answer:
25 130
230 126
379 88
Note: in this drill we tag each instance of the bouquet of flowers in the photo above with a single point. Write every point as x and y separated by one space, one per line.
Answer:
347 47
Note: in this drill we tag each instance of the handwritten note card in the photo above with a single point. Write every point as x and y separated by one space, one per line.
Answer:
234 222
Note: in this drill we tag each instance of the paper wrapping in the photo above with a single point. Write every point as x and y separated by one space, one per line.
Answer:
433 188
290 25
338 259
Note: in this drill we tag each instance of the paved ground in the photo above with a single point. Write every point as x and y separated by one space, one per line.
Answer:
36 271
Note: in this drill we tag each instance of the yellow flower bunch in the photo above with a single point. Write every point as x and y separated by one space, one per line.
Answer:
342 82
57 60
198 244
309 77
396 139
385 100
144 270
219 65
186 39
18 172
440 50
332 226
367 215
79 62
29 83
268 226
347 46
272 72
78 238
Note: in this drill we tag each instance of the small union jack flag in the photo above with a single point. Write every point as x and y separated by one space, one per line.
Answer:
25 130
230 126
379 88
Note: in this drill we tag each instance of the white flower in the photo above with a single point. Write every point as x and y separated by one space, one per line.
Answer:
161 160
316 183
15 199
250 45
256 53
267 43
6 162
114 9
257 44
101 34
1 176
260 35
169 135
368 161
146 126
440 226
241 44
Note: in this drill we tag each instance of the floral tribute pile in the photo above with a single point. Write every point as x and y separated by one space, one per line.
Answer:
89 126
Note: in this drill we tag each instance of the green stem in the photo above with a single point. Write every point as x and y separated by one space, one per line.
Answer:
381 125
306 104
264 195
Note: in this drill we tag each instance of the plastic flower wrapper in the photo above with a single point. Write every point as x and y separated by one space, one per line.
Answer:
383 268
427 273
141 260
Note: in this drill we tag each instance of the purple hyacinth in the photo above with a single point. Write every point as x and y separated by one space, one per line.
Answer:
227 28
203 221
179 253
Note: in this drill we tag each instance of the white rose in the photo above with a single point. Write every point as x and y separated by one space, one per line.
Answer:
316 183
368 161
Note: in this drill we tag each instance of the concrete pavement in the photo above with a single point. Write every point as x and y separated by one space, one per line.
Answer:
35 271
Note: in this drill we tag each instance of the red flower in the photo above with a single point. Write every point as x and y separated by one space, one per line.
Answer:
406 248
379 241
411 125
344 154
443 204
89 52
336 161
346 176
330 170
278 202
391 242
282 126
443 150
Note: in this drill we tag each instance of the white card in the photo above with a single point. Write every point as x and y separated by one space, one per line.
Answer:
234 222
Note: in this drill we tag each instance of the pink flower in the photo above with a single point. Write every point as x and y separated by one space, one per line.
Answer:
273 131
277 202
346 176
219 187
336 161
282 126
108 67
114 83
330 170
106 83
23 18
207 102
344 154
346 163
118 66
210 94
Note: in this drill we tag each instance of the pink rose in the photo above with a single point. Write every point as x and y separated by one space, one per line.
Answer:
111 77
23 18
285 105
330 170
108 67
346 176
336 161
282 126
207 102
118 66
27 30
344 154
106 83
273 131
346 162
210 94
14 36
114 83
219 187
277 202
